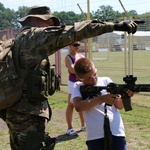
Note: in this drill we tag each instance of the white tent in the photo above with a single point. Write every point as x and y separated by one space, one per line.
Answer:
137 33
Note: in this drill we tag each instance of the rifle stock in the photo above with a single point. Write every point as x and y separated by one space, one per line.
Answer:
113 88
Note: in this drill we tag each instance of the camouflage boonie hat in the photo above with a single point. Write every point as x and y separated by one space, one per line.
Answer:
42 12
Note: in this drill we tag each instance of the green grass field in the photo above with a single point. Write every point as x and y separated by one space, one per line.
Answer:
112 64
136 122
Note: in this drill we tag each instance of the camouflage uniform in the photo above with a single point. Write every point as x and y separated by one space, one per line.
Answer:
32 45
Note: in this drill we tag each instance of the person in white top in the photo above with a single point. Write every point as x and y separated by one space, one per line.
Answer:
97 108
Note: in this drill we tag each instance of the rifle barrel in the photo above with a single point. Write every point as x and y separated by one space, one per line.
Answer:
143 87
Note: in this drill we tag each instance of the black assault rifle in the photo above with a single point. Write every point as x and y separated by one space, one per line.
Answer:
113 88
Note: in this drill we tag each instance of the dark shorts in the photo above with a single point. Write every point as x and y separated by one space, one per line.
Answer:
119 143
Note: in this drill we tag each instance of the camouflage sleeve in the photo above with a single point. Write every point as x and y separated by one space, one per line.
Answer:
38 43
88 29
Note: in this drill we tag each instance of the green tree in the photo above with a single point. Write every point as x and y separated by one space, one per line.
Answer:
9 17
68 17
104 13
6 17
21 12
130 14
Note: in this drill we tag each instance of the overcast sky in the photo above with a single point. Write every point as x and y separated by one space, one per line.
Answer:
141 6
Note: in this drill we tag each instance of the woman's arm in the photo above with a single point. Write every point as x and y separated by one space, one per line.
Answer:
69 64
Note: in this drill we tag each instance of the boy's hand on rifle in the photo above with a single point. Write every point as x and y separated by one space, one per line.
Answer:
131 93
108 98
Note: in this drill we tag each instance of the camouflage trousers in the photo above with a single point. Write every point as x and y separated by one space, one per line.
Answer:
23 127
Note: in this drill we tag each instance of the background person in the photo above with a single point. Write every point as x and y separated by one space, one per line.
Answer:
41 36
70 59
95 110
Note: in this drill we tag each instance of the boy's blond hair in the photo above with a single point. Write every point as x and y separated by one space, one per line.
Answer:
83 66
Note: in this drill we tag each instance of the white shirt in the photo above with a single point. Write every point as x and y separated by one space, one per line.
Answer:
94 117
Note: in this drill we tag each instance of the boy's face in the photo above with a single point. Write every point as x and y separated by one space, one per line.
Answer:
89 78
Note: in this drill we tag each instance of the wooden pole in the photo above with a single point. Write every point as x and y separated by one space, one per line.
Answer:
89 40
130 47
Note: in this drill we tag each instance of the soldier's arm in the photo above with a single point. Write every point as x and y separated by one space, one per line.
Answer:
42 42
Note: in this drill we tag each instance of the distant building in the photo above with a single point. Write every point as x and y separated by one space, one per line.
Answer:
115 40
8 34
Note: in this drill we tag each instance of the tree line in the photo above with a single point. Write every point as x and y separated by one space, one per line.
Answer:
9 17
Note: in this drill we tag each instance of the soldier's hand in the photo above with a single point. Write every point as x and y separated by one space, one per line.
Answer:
127 25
